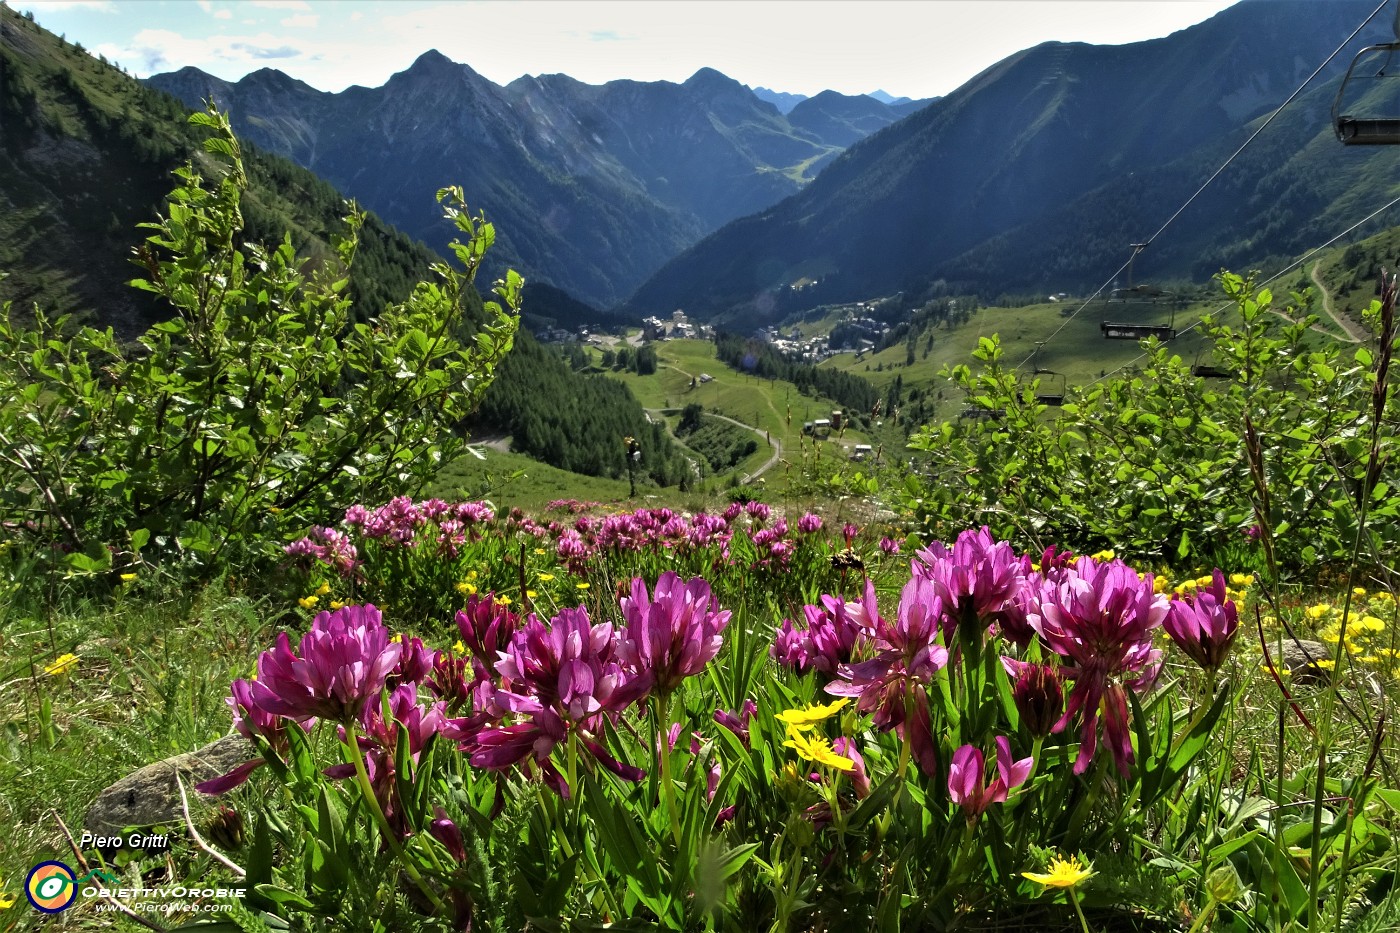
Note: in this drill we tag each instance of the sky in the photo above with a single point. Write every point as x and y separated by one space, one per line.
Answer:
913 48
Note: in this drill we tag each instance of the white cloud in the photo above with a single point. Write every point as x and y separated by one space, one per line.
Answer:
223 14
300 6
155 50
301 21
206 5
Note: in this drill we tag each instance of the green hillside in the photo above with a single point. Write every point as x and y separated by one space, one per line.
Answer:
86 155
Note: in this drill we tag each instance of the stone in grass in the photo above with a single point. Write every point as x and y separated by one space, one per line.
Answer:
150 797
1300 657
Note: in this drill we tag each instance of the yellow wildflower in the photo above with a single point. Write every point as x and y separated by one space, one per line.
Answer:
471 575
1372 624
800 720
397 639
274 510
1160 584
817 749
539 550
1358 591
306 602
323 589
6 901
1369 659
1384 597
1104 555
502 600
1062 873
546 577
337 604
1325 663
1242 579
581 586
530 594
458 647
466 589
128 578
61 664
1318 610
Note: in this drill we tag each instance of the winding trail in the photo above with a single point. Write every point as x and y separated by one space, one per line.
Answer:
1346 325
764 435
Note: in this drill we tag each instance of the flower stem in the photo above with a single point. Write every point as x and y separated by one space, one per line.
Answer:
372 802
1074 899
668 789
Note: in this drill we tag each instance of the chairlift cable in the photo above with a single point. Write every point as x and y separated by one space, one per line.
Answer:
1137 248
1273 278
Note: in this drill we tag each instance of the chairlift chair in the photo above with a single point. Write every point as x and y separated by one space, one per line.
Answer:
1056 398
1367 131
1118 330
1210 371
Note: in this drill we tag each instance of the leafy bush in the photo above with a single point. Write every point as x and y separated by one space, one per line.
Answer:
1155 462
258 404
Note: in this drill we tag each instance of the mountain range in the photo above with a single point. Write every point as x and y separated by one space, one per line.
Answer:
86 153
1037 174
591 187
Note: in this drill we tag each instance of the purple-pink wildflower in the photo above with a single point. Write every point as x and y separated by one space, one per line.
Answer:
967 783
890 685
673 633
1204 624
1099 618
342 662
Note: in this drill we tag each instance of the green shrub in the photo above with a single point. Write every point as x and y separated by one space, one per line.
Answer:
256 406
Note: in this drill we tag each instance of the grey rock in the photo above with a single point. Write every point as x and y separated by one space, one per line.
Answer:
150 796
1300 657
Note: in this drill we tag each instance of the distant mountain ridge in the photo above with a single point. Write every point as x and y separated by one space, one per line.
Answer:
1041 170
591 187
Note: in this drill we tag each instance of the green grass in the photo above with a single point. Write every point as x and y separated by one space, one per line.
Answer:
496 478
152 673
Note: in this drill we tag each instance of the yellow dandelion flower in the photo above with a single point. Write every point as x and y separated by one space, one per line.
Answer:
806 718
1358 591
1062 873
1318 610
337 604
817 749
581 586
458 647
323 589
1372 624
61 664
531 594
546 577
307 602
128 578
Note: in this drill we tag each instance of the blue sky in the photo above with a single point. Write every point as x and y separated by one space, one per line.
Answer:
917 48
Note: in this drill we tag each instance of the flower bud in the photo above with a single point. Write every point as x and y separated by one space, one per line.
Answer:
1039 699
